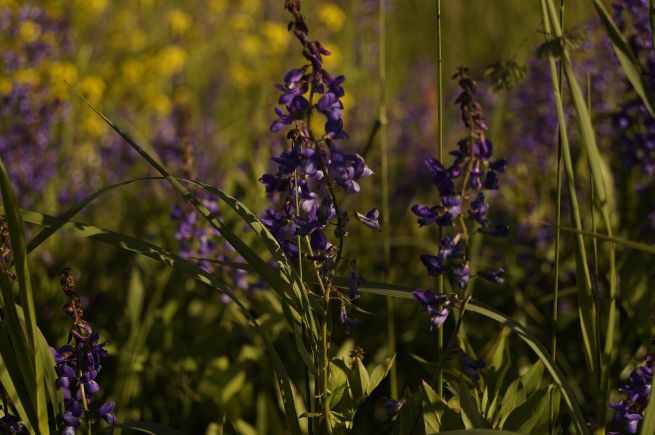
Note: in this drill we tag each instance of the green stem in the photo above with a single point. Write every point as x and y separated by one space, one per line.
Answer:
558 220
440 282
384 157
308 395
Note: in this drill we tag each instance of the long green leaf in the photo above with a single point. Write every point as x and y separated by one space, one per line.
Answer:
33 359
587 306
141 427
648 425
629 62
603 184
156 253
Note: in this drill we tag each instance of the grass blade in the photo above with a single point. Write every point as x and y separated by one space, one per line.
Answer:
35 382
603 190
648 425
626 57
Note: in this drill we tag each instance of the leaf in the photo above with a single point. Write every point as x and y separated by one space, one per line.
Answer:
469 407
437 415
525 417
648 426
479 432
629 62
532 378
135 295
379 373
35 381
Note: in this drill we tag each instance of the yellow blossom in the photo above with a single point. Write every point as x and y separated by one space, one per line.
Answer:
334 59
96 6
137 39
332 16
92 87
161 104
172 60
94 125
179 21
242 22
240 75
250 45
27 76
5 86
132 71
277 36
217 6
29 31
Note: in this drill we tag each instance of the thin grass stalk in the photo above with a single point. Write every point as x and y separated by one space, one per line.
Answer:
587 306
384 163
558 220
440 281
309 402
602 186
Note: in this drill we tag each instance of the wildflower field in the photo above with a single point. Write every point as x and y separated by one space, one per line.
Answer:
327 216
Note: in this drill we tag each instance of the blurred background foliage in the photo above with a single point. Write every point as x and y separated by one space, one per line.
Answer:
201 73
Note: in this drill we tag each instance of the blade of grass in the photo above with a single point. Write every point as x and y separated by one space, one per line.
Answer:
627 59
17 235
156 253
587 307
648 426
603 189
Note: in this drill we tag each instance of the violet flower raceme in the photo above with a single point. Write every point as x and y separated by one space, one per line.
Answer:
314 168
462 205
78 365
629 410
634 126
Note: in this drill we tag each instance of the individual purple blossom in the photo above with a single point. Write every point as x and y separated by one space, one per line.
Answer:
371 219
437 306
470 366
392 407
497 277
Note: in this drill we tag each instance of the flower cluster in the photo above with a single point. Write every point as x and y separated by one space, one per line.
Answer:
314 167
29 110
629 411
198 240
462 202
78 365
635 127
10 424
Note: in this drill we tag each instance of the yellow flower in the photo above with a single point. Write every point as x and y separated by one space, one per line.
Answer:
137 40
27 76
161 104
132 71
96 6
172 60
93 88
94 125
250 45
29 31
240 75
277 36
332 16
334 59
242 22
217 6
5 86
179 21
